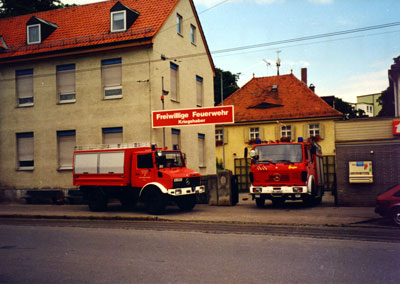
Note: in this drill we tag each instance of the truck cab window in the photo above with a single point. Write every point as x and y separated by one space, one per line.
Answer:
145 161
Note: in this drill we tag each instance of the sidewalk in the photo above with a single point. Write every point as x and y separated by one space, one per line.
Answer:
292 213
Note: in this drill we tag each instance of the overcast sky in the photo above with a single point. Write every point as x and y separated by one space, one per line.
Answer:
347 65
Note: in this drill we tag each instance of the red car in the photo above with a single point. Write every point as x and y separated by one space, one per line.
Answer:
388 204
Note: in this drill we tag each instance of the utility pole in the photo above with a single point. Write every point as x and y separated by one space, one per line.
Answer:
223 127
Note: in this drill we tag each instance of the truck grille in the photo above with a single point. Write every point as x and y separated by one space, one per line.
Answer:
188 182
279 177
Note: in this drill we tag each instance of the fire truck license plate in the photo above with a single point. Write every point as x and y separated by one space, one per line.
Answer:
277 190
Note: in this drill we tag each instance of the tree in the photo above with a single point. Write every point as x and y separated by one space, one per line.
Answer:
386 100
229 82
11 8
347 110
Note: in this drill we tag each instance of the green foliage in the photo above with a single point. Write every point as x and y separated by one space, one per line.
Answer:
229 82
386 100
348 110
12 8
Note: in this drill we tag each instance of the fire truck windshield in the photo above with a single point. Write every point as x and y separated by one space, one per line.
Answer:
170 159
279 153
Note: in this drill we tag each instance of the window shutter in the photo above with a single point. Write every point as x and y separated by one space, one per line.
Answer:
66 146
246 134
321 131
25 86
306 131
261 133
66 82
174 81
112 75
293 129
199 90
201 138
112 138
25 149
278 132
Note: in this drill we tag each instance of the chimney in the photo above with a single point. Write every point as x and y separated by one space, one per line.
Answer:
304 75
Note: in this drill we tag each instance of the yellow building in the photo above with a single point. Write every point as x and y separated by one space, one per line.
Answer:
269 108
93 74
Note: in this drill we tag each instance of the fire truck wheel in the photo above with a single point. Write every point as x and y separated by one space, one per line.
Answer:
155 202
186 203
97 201
260 202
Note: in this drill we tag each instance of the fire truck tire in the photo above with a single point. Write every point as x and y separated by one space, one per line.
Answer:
155 204
186 203
97 201
260 202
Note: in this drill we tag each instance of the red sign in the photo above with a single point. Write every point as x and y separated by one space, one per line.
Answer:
195 116
396 127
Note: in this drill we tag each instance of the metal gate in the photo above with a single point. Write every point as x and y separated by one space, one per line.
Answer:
242 170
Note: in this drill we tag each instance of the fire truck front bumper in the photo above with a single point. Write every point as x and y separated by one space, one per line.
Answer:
278 191
187 190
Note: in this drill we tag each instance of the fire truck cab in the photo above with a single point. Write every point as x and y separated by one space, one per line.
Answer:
286 171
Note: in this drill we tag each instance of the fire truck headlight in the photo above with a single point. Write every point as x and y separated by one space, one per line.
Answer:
297 189
257 190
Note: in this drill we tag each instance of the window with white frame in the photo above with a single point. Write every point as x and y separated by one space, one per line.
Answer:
65 75
112 135
66 144
286 131
111 75
199 91
33 34
25 151
201 138
254 133
174 81
219 134
176 139
179 26
192 34
118 21
24 87
313 130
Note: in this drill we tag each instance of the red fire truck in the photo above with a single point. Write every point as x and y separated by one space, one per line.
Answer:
134 172
286 171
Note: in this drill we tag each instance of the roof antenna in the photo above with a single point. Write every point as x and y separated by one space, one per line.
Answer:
278 62
268 64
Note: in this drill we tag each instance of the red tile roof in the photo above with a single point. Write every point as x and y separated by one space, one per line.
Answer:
257 100
84 26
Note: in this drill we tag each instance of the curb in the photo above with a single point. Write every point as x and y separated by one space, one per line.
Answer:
161 219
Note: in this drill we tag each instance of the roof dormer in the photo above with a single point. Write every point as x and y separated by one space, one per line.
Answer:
37 30
122 17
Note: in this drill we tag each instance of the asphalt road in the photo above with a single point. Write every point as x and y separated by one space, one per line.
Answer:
54 251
